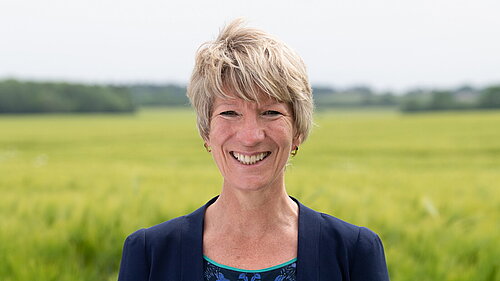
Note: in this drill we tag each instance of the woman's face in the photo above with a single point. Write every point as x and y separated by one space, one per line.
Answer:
251 142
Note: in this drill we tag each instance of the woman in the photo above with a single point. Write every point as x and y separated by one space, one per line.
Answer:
254 108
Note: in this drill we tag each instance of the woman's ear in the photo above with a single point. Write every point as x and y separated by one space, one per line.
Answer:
297 140
206 144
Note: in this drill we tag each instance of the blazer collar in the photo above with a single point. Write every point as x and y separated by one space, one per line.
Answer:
308 244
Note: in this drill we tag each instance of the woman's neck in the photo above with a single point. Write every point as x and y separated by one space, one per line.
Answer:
251 213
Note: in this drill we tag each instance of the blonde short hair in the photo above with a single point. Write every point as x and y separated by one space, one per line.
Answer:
249 62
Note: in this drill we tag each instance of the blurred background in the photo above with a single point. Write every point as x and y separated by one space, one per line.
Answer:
97 138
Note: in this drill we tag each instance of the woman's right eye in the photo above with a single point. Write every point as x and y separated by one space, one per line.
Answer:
229 113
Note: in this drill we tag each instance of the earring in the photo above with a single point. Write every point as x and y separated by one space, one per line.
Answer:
208 148
294 151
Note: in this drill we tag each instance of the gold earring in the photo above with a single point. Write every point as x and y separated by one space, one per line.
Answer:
294 151
208 148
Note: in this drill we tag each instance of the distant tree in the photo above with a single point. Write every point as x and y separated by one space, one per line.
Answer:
360 89
323 90
388 99
441 100
412 104
490 97
465 88
159 95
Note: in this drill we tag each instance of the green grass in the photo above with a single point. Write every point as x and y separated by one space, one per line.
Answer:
72 187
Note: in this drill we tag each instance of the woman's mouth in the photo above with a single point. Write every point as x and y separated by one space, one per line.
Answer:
249 159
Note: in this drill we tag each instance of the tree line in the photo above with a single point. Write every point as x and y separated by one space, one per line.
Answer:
41 97
462 98
47 97
415 100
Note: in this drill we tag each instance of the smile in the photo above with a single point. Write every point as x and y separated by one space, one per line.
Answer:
249 159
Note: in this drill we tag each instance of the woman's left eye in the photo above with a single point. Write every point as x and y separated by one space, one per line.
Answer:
271 113
229 113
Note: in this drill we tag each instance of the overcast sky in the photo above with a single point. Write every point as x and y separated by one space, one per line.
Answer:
387 44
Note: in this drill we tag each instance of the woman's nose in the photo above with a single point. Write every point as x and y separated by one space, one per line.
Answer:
250 132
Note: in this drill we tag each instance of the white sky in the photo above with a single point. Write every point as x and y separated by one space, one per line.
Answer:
387 44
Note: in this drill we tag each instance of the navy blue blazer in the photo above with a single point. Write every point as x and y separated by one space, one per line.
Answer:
329 249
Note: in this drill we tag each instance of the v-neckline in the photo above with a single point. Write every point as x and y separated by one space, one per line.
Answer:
307 249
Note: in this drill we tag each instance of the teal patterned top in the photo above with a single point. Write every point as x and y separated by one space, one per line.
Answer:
218 272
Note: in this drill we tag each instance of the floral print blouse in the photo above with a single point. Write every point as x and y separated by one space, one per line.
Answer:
218 272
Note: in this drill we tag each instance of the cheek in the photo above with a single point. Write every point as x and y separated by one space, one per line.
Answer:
218 132
283 131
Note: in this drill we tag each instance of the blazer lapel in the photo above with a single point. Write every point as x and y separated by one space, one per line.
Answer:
308 245
192 245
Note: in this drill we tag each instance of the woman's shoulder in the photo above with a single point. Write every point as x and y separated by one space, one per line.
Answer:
328 221
334 229
347 230
356 249
170 230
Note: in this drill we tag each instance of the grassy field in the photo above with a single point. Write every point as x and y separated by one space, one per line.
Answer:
72 187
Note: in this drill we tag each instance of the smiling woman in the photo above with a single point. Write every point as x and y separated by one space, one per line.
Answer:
254 108
251 142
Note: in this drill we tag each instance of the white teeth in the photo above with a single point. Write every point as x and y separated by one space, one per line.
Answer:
248 160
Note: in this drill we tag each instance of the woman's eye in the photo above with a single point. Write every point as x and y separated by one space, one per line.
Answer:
229 113
272 113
